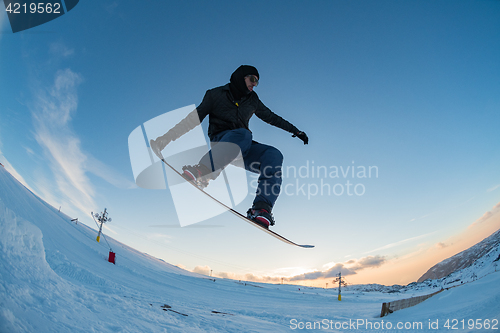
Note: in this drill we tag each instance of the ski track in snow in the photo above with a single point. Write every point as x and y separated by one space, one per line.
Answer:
54 277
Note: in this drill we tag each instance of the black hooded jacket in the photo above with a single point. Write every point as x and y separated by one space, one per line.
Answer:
227 112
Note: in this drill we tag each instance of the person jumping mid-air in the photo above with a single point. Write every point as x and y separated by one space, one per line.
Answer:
229 109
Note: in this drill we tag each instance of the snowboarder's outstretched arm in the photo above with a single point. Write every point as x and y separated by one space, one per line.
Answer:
264 113
193 119
185 125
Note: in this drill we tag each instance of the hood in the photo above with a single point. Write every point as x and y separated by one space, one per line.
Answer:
237 81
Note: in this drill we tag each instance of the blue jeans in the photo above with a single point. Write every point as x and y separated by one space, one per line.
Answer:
258 158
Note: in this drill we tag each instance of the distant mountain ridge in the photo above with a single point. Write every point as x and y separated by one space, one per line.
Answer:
463 259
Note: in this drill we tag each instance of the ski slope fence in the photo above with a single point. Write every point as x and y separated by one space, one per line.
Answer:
390 307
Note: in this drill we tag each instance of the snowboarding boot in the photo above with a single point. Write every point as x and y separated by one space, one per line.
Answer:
261 214
198 174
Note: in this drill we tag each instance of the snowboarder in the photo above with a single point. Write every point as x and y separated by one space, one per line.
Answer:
229 109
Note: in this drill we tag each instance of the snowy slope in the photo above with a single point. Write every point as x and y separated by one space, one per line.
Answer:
463 259
482 266
54 277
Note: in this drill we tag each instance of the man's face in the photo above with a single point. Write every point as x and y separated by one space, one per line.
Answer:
251 81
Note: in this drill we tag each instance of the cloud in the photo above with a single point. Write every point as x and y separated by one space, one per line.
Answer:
52 113
441 245
493 188
56 105
486 216
204 270
181 266
225 275
370 262
388 246
29 151
249 277
60 50
263 279
108 174
350 267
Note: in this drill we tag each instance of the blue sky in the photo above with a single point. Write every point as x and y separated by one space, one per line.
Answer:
411 88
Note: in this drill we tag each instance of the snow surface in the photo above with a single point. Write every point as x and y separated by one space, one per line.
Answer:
55 277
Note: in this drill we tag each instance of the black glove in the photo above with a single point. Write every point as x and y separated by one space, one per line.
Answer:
159 144
302 136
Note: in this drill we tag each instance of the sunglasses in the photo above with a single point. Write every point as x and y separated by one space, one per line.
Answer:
253 79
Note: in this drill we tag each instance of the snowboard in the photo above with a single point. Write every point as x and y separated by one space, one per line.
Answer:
234 212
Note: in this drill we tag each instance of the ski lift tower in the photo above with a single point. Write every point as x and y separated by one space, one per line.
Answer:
341 282
102 218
